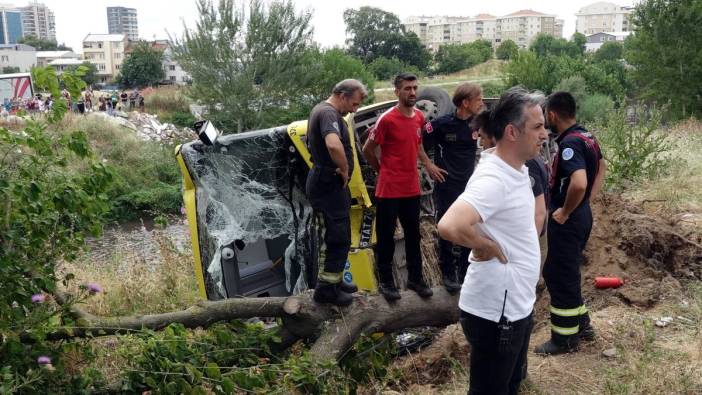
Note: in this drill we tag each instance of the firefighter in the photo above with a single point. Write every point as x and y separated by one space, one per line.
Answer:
326 186
454 143
577 176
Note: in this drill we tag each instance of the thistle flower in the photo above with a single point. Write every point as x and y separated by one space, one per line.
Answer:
44 360
94 288
38 298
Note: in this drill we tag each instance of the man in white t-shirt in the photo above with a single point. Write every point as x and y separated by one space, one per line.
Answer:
495 218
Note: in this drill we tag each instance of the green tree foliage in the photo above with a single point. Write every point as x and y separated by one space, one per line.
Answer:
455 57
546 44
10 69
507 50
90 76
142 67
247 65
665 53
52 190
611 50
385 69
375 33
42 44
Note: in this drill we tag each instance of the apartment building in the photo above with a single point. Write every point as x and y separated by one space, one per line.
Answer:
520 27
123 20
38 21
21 56
10 24
46 57
524 25
106 52
603 17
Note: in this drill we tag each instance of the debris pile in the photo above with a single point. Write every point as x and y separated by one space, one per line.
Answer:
148 127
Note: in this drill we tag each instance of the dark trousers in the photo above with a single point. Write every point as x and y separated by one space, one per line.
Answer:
332 202
494 371
388 210
445 194
562 275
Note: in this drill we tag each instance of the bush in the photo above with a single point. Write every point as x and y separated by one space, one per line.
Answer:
633 146
184 119
385 69
492 88
592 108
507 50
455 57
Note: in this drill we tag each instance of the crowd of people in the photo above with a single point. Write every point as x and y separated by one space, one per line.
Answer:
491 216
88 101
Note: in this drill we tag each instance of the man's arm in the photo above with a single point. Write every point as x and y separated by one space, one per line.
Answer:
338 156
369 153
436 173
574 195
599 179
457 226
540 213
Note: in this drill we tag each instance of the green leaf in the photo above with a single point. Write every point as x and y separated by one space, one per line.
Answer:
212 371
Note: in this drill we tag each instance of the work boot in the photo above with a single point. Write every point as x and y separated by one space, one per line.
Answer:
587 334
451 283
389 291
551 348
330 293
349 288
420 287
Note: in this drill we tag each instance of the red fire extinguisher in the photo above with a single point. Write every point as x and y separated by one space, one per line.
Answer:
608 282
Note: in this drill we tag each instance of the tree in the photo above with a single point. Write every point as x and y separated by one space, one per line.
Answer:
384 68
376 33
455 57
611 50
142 67
507 50
10 69
90 76
546 44
664 52
42 44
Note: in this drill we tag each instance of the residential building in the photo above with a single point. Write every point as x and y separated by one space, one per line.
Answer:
106 52
524 25
123 20
38 21
61 64
520 27
10 24
46 57
603 17
21 56
173 72
595 41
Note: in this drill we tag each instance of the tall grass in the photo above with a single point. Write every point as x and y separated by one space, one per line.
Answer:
167 100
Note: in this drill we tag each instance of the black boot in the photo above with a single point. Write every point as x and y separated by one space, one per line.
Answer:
330 293
587 333
451 283
349 288
389 291
551 348
420 287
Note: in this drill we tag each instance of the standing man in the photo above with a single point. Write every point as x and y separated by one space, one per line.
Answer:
495 218
578 174
332 156
398 136
454 144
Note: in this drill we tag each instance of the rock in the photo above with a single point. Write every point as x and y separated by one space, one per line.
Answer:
610 352
663 322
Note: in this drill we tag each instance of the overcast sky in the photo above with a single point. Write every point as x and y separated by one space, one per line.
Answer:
74 20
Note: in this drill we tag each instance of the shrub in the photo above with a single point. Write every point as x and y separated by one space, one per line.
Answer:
184 119
594 107
385 69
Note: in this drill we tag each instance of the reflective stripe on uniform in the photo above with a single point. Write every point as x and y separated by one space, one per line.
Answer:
567 312
332 278
565 331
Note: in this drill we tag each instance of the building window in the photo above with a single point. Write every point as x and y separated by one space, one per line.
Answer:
5 58
171 67
99 45
101 67
117 66
172 78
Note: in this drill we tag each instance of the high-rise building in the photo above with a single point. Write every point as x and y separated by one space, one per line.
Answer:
38 21
524 25
10 24
603 17
122 20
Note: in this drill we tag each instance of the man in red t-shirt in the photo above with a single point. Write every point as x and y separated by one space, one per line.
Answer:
398 135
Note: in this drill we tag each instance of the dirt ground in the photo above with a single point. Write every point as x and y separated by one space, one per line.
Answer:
657 255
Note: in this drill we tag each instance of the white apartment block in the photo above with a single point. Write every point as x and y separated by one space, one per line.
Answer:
106 52
173 72
21 56
524 25
603 17
520 27
46 57
38 21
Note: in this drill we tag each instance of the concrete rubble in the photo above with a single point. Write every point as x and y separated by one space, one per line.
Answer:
148 127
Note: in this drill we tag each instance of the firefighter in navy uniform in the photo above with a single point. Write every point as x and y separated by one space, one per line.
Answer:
577 176
454 144
332 164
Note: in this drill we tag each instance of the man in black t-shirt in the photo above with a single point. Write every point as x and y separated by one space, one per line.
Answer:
454 143
332 164
578 174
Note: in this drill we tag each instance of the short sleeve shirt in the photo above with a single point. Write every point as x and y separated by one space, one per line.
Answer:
325 119
455 146
577 150
399 137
